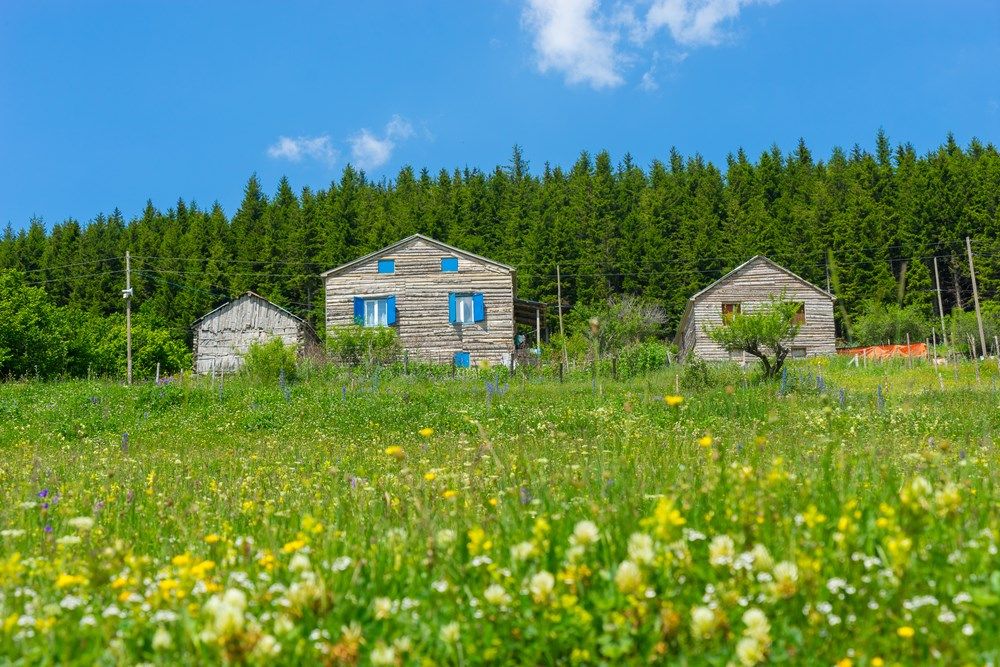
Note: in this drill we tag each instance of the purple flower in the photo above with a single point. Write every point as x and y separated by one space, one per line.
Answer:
45 506
43 493
48 528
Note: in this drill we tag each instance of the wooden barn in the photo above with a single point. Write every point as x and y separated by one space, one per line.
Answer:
223 336
448 305
749 286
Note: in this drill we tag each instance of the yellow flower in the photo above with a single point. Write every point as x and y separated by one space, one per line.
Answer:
905 632
878 662
182 560
293 546
426 432
673 400
449 494
847 662
705 440
430 476
493 502
395 451
66 580
212 538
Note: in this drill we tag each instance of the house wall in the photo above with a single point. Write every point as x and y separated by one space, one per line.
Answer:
753 288
223 336
421 290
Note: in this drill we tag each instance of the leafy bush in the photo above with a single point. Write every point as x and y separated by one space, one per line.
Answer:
881 324
963 324
31 340
623 320
264 362
641 358
354 345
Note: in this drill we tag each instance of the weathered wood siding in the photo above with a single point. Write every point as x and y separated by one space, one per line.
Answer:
752 288
223 336
421 290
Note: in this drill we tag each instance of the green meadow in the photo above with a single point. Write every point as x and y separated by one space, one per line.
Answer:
844 516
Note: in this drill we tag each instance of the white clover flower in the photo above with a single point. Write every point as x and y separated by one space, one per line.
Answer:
703 622
441 586
68 540
749 651
721 550
112 610
164 616
757 624
71 602
585 533
88 621
341 564
383 608
968 630
541 586
162 640
267 647
640 548
445 537
496 595
522 551
299 563
383 655
628 577
450 633
762 560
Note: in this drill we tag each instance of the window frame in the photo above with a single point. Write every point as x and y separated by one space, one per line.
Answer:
460 301
449 260
390 261
380 311
800 315
793 352
735 308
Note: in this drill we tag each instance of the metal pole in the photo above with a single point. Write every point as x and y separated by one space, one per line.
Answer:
937 288
975 297
127 294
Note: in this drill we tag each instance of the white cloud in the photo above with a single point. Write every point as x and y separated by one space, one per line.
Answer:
295 149
581 38
370 151
695 22
570 37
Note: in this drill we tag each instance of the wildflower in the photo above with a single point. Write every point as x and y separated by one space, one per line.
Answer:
383 655
299 563
162 640
450 633
721 550
383 608
227 612
640 548
496 595
67 580
750 651
426 432
786 579
703 622
445 537
449 494
665 518
267 647
905 631
293 546
878 662
341 564
430 476
673 400
947 500
762 560
522 551
585 533
705 440
395 451
541 586
81 523
12 532
628 577
212 538
68 540
757 625
478 542
916 493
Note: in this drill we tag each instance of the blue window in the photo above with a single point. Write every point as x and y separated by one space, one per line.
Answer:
462 360
375 312
466 308
387 266
449 264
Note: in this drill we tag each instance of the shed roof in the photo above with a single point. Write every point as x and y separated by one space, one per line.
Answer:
254 295
740 269
409 239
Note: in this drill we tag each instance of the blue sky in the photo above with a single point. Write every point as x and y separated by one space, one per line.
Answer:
106 104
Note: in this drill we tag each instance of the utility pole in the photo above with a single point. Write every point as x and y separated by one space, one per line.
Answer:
975 297
562 334
127 295
937 287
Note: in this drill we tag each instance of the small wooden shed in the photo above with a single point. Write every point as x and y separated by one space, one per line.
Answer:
752 285
447 304
222 336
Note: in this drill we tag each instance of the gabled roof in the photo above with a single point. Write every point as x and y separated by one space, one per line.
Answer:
254 295
398 244
740 269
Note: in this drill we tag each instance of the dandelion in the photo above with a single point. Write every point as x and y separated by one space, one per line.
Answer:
628 577
905 631
673 400
430 476
211 538
395 451
449 494
585 533
705 440
67 580
426 432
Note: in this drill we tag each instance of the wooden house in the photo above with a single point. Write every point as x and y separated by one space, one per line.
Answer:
751 285
448 305
222 336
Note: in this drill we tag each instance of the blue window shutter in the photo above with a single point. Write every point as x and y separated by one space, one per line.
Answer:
387 266
449 264
462 360
478 308
451 307
390 303
359 310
